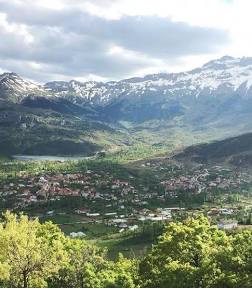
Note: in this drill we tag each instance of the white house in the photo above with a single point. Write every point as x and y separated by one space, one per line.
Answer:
227 224
77 234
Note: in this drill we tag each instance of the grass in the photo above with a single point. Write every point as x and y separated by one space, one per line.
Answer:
129 245
74 223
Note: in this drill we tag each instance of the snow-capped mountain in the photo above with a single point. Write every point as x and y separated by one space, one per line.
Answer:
220 86
14 88
224 75
78 92
226 72
209 102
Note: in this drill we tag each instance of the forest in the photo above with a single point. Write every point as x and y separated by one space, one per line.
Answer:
192 253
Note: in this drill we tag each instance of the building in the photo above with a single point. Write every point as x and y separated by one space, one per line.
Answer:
77 234
227 224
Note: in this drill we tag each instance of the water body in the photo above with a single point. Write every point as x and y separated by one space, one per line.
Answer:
50 158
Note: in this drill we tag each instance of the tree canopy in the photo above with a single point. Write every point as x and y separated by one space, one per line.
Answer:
196 254
192 253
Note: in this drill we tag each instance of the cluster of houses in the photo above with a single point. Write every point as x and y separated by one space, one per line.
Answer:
205 180
115 194
132 222
105 187
89 185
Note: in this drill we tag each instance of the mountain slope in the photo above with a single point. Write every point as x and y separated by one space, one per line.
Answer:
14 88
33 121
236 151
25 130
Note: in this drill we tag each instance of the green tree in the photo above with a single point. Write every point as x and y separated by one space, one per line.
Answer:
121 274
184 256
85 261
30 252
235 261
88 268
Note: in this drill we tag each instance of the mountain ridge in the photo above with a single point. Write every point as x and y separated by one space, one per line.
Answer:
198 79
195 81
210 102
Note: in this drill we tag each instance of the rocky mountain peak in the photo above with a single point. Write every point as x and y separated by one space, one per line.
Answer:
13 88
227 62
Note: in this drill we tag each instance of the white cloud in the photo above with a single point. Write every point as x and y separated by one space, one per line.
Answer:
64 38
234 16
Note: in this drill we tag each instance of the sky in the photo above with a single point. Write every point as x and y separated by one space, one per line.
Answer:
45 40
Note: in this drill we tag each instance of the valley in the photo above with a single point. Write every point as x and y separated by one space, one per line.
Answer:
115 162
125 144
114 201
114 168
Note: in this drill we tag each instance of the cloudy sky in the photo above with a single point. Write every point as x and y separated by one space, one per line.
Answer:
113 39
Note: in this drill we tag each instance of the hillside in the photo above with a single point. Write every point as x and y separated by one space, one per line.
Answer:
36 131
54 130
236 151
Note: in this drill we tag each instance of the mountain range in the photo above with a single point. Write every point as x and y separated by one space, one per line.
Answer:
171 109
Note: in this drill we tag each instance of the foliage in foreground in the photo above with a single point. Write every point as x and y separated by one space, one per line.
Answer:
195 254
39 255
189 254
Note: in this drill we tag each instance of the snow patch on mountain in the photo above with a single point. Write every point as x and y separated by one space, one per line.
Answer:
13 87
216 77
226 72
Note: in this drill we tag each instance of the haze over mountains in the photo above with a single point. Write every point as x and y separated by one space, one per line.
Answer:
210 102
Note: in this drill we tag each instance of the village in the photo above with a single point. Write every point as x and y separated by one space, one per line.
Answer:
124 202
105 187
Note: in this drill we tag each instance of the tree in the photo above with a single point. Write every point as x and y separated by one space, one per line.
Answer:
190 254
88 268
30 251
85 261
184 256
121 274
235 261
